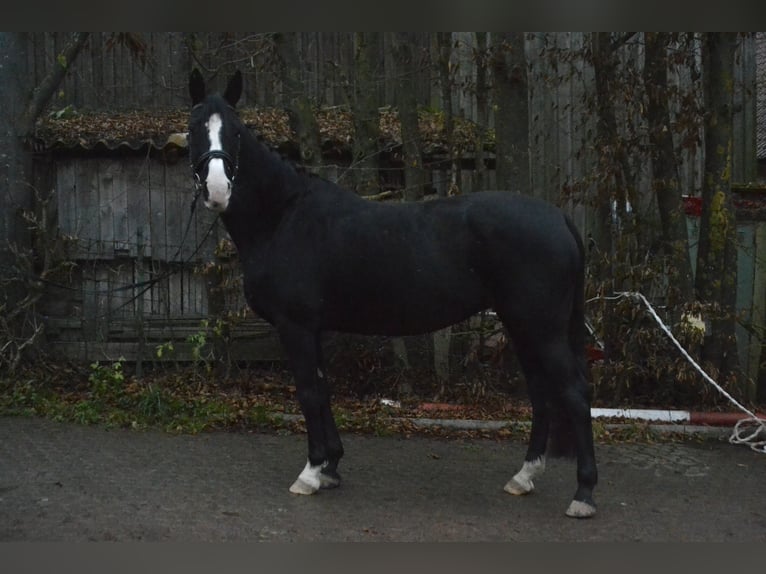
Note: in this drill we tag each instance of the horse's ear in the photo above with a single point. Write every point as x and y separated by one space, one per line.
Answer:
233 89
196 87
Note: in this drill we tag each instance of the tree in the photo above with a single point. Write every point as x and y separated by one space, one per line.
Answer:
407 69
665 180
363 101
299 108
716 280
445 68
482 108
21 106
609 177
511 105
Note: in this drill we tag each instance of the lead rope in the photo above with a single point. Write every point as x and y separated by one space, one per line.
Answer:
746 430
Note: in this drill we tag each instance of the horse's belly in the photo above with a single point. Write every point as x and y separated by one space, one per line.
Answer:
405 308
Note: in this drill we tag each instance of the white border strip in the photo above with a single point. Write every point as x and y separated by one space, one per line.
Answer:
666 416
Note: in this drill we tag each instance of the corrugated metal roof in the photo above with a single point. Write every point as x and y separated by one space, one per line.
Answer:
174 140
139 130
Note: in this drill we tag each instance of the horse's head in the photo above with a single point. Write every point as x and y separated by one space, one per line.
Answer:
214 140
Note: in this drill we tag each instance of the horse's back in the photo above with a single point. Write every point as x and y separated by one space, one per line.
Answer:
415 267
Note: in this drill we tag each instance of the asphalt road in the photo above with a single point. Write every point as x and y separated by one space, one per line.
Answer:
63 482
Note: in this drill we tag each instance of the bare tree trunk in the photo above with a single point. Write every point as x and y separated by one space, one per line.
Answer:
609 179
406 70
511 104
414 176
50 83
482 109
665 177
20 266
606 132
444 44
716 281
443 337
299 108
365 115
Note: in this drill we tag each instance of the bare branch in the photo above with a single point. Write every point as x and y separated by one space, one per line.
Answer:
622 39
50 83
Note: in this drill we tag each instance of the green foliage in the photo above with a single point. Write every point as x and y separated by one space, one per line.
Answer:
86 413
106 381
164 349
201 342
644 368
20 398
198 341
67 112
155 404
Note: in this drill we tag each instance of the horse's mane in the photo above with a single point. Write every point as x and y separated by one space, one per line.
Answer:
310 178
283 157
215 103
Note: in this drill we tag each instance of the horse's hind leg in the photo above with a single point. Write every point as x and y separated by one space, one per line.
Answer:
577 405
534 461
571 421
560 408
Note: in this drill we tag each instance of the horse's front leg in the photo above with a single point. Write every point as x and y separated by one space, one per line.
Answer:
329 477
302 348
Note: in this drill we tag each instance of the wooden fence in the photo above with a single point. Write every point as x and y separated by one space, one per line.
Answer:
146 270
127 210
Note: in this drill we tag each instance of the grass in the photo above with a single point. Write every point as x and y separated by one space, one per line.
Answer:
186 402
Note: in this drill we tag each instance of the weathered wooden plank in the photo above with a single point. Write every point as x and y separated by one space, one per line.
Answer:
267 350
108 170
88 221
110 70
177 211
746 253
123 299
66 196
744 165
152 302
180 193
158 211
137 209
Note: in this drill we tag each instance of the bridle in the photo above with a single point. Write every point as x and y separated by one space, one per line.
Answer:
231 165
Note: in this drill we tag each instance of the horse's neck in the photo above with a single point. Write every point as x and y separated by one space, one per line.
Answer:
265 188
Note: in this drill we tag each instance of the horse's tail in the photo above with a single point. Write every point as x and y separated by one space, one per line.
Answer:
577 318
562 434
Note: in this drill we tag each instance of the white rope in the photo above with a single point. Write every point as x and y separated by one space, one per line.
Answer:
755 424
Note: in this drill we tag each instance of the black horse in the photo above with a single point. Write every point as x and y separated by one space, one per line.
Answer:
316 257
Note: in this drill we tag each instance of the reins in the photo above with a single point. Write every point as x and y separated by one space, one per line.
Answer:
147 284
232 164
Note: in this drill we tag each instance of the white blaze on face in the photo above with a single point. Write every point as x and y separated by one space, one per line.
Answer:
218 185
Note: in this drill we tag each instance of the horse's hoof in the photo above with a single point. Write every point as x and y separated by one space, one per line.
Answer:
300 486
521 483
580 509
517 488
